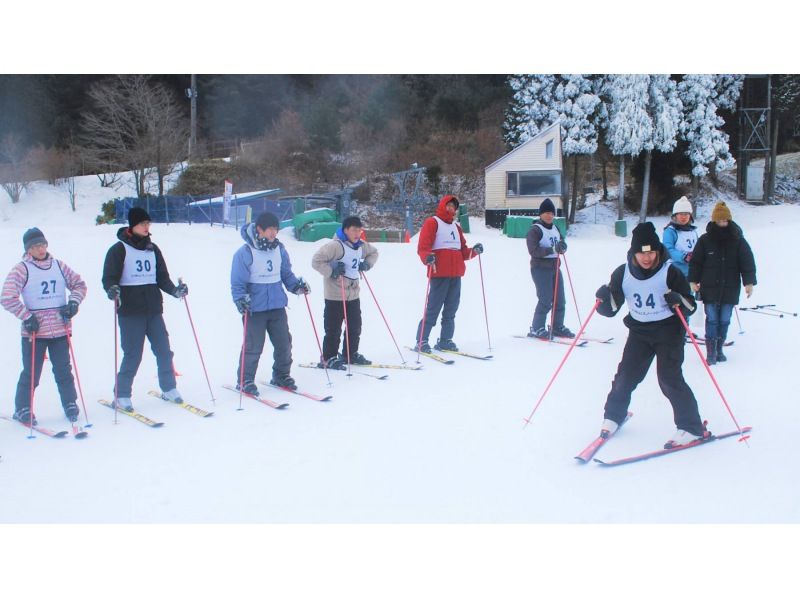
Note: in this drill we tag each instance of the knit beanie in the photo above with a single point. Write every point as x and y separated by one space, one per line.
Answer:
137 216
267 220
33 236
547 206
645 238
721 211
682 206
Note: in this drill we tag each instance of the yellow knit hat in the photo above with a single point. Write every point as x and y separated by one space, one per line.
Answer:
721 212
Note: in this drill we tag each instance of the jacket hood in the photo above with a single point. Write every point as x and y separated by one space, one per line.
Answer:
125 235
250 234
343 238
721 233
677 226
441 210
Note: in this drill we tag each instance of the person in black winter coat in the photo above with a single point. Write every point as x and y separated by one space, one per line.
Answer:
135 274
721 262
653 289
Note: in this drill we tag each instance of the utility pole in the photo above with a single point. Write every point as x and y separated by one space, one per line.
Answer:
192 95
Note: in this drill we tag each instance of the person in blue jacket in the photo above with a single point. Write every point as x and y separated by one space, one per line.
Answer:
680 235
261 269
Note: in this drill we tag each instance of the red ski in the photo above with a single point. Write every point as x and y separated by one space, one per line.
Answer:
586 454
262 400
308 395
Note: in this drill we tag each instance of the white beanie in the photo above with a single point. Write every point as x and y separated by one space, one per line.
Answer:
682 205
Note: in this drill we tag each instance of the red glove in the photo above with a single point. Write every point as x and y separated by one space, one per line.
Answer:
688 257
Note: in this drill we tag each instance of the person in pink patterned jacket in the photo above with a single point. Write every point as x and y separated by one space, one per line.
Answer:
35 291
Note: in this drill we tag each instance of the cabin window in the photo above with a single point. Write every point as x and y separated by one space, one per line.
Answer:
548 149
540 182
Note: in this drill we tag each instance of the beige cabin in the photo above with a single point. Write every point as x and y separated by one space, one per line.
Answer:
517 183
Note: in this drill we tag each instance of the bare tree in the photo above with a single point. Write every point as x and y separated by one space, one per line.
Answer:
135 125
14 174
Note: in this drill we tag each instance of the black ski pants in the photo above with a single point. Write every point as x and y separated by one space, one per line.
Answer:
666 344
272 322
333 318
58 349
132 331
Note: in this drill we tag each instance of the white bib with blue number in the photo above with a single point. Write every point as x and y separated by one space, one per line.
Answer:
686 240
139 268
645 298
351 259
550 236
266 266
45 289
447 236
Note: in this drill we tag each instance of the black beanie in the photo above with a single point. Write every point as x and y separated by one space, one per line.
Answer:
33 236
266 220
547 206
136 216
645 238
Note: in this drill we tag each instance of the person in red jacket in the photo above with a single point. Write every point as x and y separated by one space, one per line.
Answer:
443 249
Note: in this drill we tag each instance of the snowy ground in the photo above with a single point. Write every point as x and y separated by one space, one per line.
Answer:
441 445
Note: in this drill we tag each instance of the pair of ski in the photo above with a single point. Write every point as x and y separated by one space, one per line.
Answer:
77 431
274 404
446 361
585 340
140 417
590 451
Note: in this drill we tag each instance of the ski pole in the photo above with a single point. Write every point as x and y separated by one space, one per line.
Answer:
424 313
369 286
314 326
708 369
572 289
241 359
571 347
116 362
33 371
780 311
485 311
197 342
738 321
77 375
346 325
555 294
752 310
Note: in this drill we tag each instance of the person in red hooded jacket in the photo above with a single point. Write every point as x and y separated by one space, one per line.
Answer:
443 249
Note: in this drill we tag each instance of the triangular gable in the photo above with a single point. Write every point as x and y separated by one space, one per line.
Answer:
521 145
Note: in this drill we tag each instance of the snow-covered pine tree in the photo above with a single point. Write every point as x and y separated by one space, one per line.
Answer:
629 124
702 96
530 108
665 110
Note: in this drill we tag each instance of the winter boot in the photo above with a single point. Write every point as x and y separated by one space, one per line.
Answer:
173 395
720 355
123 403
608 428
358 359
71 411
283 380
424 347
445 345
25 416
333 363
249 387
539 333
711 350
563 332
682 437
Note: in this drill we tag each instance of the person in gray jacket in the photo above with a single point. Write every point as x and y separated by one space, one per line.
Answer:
260 270
341 261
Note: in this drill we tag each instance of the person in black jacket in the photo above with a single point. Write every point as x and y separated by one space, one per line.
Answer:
653 288
722 261
135 273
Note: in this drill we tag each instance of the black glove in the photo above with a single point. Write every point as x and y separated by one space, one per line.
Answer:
672 298
603 293
477 248
113 292
363 266
180 291
69 310
243 304
338 270
302 288
561 246
431 259
31 324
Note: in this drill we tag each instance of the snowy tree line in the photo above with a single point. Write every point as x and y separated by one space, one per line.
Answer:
631 115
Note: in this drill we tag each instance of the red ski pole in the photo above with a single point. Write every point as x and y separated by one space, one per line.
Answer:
571 347
708 369
316 335
424 312
33 371
485 311
77 375
241 360
346 325
555 295
378 305
197 342
572 289
116 361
